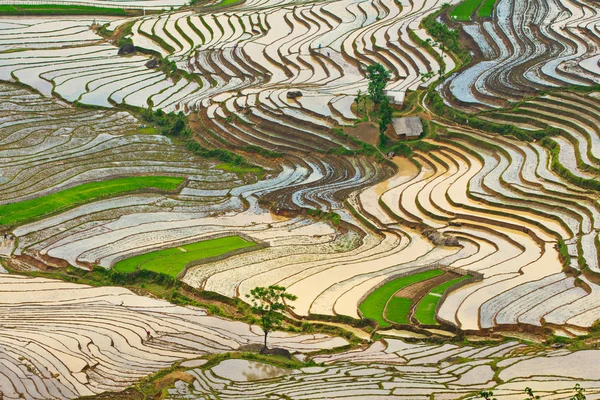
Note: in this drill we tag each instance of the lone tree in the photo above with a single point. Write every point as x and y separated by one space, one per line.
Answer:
268 302
378 77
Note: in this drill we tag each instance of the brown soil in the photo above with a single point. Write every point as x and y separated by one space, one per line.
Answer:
168 380
228 308
366 131
418 290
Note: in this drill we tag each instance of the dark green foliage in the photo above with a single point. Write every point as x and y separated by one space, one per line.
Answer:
531 395
385 115
329 216
578 393
449 38
261 151
388 145
563 253
128 278
175 124
487 395
364 149
378 77
360 97
565 173
423 146
437 105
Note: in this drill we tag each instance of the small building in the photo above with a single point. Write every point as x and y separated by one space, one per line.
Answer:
408 127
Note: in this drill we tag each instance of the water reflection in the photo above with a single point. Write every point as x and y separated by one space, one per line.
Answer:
247 371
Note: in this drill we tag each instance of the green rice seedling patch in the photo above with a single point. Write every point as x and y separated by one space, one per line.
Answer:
374 305
58 9
425 312
467 8
29 210
173 260
486 9
398 310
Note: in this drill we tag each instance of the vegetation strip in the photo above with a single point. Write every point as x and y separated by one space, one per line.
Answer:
58 9
28 210
172 261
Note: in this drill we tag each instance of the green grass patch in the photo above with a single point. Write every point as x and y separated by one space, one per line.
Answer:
148 130
425 312
467 8
172 261
486 9
398 310
373 306
225 3
240 169
25 211
57 9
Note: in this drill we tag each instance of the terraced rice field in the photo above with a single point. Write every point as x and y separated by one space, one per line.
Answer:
89 168
61 340
517 220
394 369
27 210
174 260
517 61
450 207
254 53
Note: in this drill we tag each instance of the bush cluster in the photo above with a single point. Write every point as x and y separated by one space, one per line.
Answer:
450 38
175 125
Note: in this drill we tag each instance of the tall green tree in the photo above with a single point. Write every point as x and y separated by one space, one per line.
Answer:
268 302
378 76
385 115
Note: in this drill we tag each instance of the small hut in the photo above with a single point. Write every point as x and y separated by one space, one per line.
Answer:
408 127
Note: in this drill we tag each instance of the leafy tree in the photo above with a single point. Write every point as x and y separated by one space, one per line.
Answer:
489 395
378 77
578 393
359 97
531 395
268 302
385 115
